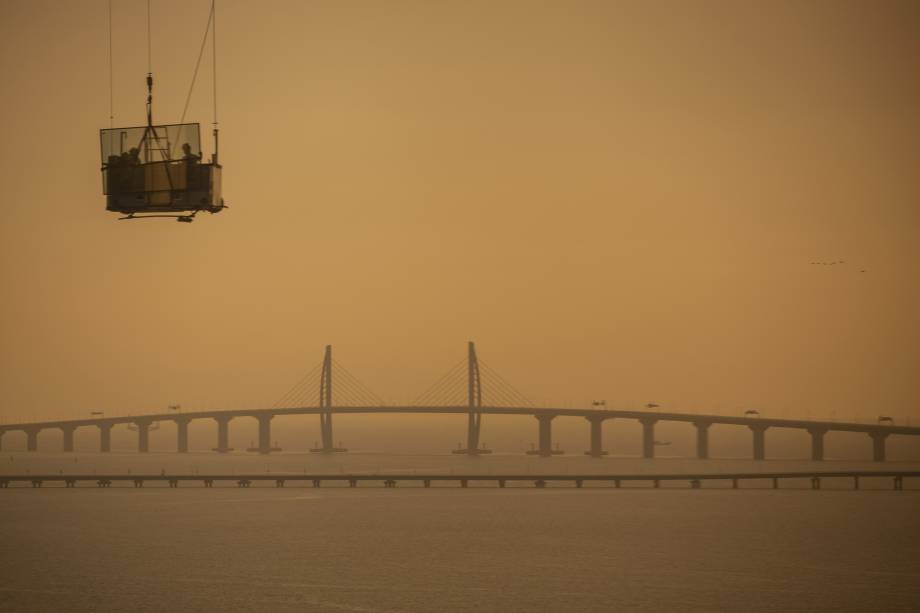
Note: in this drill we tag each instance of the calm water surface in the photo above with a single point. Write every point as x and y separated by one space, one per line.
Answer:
451 549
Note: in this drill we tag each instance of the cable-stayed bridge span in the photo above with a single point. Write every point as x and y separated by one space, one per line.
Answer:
470 378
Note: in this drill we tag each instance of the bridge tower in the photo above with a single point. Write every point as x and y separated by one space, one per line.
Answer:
474 402
325 402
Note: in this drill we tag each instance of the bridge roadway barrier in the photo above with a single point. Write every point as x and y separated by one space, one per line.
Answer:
390 480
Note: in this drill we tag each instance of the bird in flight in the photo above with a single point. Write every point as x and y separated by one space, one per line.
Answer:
833 263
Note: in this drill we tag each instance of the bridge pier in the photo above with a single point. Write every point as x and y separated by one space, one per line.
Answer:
265 435
648 436
817 443
597 448
878 445
32 439
143 435
760 442
68 438
325 428
473 428
182 435
702 439
223 434
545 447
105 438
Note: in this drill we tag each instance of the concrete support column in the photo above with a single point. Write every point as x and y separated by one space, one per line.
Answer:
325 430
760 444
648 437
473 426
182 435
32 439
2 432
265 434
702 439
105 438
68 438
597 447
817 443
223 435
545 442
546 435
325 427
143 436
878 445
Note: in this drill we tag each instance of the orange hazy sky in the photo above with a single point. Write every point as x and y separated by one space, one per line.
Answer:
615 200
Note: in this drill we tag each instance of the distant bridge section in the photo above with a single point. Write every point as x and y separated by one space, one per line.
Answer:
545 417
695 480
504 401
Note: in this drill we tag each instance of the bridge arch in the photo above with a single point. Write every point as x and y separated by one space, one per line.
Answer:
850 446
623 437
734 441
902 448
14 440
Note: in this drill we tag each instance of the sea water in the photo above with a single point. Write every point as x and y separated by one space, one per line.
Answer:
482 548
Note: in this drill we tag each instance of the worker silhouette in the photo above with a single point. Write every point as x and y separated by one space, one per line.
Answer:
192 169
187 154
130 157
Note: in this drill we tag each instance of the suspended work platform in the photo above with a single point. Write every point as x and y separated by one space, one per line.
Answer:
159 170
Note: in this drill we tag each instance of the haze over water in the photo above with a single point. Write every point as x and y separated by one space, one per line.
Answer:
483 548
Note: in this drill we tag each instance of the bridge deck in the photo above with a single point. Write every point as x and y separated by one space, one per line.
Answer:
602 414
281 478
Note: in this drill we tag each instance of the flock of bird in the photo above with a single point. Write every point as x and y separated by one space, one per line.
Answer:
834 263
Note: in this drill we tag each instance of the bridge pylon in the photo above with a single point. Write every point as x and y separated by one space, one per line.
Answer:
474 401
325 402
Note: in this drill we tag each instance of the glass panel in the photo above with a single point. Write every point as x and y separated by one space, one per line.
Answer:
129 146
175 186
157 177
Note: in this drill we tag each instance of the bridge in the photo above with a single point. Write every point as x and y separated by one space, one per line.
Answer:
471 378
695 480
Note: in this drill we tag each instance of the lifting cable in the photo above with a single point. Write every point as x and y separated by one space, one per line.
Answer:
212 28
111 72
149 46
214 73
214 56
